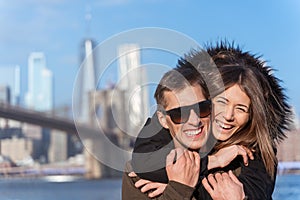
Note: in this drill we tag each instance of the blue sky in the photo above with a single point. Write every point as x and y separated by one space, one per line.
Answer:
57 27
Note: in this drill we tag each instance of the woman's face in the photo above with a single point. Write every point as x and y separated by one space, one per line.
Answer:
230 112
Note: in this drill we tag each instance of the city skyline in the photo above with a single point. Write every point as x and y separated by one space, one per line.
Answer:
58 29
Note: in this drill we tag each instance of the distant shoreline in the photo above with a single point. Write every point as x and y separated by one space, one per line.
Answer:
291 172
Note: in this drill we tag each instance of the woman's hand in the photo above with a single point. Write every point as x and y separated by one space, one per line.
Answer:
224 186
225 155
154 189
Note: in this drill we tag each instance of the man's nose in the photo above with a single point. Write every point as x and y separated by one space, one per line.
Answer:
194 119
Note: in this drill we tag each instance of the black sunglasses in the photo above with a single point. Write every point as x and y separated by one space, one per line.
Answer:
181 115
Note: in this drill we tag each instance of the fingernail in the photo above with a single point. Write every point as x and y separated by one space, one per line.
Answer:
131 174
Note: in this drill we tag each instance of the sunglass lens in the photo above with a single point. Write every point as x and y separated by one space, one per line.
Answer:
178 115
205 108
182 114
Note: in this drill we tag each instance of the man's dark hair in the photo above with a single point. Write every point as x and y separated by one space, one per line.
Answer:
176 80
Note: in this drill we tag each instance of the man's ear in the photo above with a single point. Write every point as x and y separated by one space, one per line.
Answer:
162 119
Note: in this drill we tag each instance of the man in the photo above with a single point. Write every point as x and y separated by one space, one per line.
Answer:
183 111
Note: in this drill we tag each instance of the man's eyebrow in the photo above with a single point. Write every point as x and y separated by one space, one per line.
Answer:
221 97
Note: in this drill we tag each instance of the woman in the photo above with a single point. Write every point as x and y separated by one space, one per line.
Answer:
241 116
264 113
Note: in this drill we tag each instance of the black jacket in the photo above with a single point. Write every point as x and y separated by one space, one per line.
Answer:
154 143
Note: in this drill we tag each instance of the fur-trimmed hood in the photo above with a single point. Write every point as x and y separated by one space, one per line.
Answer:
281 112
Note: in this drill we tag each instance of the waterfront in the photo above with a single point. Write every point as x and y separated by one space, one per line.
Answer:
43 189
287 187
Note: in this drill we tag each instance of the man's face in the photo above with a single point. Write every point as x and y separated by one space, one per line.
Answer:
194 132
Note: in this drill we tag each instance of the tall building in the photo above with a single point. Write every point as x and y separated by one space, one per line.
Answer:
4 94
9 90
133 81
58 146
40 83
86 79
40 95
10 78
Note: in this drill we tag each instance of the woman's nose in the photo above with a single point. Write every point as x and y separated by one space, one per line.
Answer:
229 114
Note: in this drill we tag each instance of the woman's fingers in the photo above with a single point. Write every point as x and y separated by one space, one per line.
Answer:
241 151
249 152
245 153
132 175
157 190
141 182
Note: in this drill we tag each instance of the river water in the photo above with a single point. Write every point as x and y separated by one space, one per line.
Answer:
287 187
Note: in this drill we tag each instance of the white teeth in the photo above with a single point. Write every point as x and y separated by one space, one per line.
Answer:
192 133
223 125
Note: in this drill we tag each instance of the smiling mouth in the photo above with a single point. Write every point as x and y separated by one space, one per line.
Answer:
192 133
223 125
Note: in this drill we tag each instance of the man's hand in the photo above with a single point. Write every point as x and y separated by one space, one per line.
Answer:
225 155
224 186
183 166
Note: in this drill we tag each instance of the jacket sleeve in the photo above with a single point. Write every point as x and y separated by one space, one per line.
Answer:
173 191
257 183
151 148
178 191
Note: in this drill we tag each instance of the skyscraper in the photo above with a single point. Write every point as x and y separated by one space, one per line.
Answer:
86 79
10 78
40 94
40 83
133 80
4 94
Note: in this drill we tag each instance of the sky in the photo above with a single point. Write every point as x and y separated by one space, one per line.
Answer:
270 28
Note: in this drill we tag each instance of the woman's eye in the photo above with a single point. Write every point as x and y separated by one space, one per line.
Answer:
242 109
